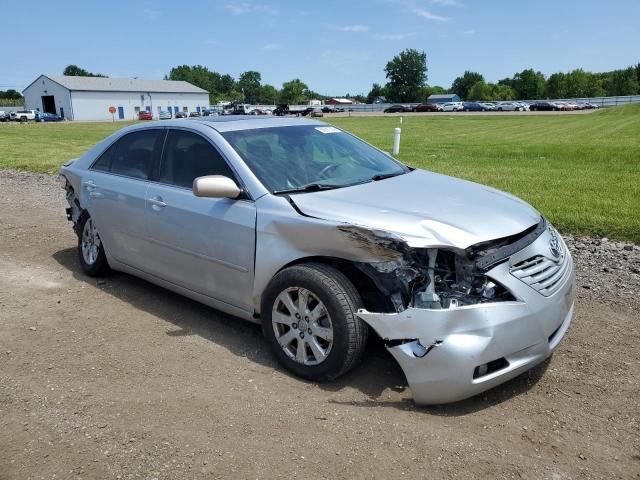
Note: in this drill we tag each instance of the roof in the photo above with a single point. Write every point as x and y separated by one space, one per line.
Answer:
443 96
341 100
227 123
103 84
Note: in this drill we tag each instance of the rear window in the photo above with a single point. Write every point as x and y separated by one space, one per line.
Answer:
133 155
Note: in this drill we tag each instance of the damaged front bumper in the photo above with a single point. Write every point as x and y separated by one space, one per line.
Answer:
452 354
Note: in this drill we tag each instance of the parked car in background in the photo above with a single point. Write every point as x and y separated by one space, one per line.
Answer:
398 109
194 114
452 107
48 117
508 107
259 111
278 221
474 107
426 107
316 112
543 106
23 115
164 115
489 106
145 115
5 116
181 115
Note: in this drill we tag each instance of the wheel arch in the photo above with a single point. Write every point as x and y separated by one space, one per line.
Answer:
372 297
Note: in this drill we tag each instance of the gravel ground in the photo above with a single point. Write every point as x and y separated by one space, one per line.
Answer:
117 378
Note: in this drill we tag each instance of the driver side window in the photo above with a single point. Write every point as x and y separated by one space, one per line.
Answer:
187 156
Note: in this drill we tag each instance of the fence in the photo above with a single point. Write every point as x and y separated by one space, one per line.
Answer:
10 108
379 107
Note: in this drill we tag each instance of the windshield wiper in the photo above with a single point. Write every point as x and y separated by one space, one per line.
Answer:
382 176
311 187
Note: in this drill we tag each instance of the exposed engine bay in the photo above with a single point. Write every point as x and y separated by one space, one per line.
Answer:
436 278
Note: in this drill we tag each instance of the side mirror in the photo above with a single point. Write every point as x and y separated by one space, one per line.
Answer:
215 186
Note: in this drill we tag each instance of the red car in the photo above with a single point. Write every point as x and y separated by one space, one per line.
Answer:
145 115
427 107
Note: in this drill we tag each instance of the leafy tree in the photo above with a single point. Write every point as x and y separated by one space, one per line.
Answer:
556 86
377 90
528 84
622 82
269 95
407 74
577 83
294 92
10 94
249 84
218 86
502 92
75 71
463 84
479 91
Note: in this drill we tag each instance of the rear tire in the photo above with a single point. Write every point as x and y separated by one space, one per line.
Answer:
309 306
90 249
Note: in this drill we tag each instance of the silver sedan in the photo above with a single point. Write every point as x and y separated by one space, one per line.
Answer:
322 238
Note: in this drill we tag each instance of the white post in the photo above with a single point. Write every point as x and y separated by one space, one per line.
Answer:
396 141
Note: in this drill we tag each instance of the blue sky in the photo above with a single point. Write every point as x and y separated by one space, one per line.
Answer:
336 47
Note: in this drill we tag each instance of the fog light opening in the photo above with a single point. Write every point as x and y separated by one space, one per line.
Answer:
489 368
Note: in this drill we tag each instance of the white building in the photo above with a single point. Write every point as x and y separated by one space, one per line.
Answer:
90 98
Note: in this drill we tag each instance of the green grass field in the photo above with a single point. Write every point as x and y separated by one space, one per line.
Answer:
581 171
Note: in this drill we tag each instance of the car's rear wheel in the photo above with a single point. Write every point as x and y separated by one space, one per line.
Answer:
309 321
90 248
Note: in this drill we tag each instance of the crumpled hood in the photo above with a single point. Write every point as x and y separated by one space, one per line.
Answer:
425 209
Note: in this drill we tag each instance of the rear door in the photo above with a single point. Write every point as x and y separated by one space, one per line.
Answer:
203 244
116 191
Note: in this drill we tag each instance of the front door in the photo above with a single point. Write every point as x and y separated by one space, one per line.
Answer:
121 113
204 244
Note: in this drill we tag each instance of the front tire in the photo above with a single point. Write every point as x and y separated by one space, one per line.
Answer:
90 249
309 321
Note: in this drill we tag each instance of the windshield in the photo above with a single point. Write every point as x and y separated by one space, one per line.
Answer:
306 157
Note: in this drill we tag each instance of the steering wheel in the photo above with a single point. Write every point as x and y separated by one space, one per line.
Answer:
326 169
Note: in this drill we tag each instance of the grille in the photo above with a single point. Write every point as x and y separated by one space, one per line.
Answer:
542 274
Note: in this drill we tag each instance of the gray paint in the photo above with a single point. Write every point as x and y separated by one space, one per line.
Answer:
224 252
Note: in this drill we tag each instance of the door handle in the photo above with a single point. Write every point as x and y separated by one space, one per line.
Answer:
156 202
96 195
89 184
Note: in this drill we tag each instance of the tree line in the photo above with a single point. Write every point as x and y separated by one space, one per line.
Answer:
533 85
406 75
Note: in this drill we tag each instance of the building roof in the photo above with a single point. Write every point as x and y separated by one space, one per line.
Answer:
103 84
341 100
442 96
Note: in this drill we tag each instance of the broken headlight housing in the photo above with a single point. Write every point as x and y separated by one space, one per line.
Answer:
453 280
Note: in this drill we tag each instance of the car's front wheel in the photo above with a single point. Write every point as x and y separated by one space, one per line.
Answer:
90 249
309 321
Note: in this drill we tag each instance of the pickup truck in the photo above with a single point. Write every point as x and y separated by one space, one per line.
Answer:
23 115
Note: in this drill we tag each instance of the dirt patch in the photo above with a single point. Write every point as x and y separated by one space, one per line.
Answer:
119 378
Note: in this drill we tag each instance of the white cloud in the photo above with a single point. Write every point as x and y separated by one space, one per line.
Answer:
421 12
271 46
243 8
353 28
447 3
469 32
393 36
